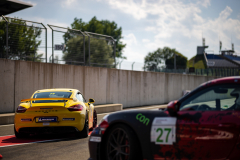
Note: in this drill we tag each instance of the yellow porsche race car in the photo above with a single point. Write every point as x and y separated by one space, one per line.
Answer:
55 111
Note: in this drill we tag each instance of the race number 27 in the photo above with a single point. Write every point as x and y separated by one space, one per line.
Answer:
163 130
163 135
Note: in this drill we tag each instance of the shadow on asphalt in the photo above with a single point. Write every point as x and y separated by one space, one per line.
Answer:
40 138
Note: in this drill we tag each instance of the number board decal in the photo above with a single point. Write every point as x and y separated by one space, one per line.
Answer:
163 130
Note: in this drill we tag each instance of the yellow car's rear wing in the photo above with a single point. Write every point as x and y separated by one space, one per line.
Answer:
40 99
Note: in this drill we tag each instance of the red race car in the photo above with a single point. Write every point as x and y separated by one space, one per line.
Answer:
205 124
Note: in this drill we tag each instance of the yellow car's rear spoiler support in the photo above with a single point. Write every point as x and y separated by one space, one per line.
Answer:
39 99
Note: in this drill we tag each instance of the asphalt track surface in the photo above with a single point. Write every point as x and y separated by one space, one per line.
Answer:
46 147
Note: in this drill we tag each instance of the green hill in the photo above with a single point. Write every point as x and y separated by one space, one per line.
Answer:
198 61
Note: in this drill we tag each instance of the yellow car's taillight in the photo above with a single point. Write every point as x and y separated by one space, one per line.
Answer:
77 107
21 109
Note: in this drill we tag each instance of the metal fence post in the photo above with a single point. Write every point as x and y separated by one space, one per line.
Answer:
175 62
46 43
89 51
34 58
132 65
52 48
84 54
115 53
6 39
120 64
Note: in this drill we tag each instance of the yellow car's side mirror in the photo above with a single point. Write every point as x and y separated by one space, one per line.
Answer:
74 99
91 100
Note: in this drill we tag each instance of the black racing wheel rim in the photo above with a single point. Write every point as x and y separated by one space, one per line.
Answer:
86 122
118 147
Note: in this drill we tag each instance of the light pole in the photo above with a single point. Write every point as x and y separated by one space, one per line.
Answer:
132 65
175 62
120 64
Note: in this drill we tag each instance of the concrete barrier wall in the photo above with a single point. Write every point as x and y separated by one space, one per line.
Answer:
19 79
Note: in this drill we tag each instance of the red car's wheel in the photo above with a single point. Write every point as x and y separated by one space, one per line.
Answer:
121 143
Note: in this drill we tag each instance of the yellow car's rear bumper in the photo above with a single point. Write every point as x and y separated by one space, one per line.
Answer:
22 120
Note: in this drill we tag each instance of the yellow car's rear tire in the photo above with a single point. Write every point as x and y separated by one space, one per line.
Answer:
94 119
20 135
85 131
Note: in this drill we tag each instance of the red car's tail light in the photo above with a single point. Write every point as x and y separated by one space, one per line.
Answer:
21 109
77 107
104 124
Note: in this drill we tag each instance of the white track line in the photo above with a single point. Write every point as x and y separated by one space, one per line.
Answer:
33 142
6 125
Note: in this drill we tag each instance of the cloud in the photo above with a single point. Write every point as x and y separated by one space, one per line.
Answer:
145 40
141 9
130 39
129 51
179 24
68 3
204 3
130 7
30 2
225 13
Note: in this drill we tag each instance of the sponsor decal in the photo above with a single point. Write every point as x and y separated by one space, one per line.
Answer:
163 130
95 139
142 119
68 119
45 119
26 120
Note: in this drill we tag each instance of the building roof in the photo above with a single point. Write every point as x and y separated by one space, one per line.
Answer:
10 6
212 56
216 61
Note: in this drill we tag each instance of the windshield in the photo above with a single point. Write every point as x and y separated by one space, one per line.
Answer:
220 97
51 95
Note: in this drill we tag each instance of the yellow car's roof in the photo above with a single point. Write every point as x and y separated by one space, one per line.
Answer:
57 89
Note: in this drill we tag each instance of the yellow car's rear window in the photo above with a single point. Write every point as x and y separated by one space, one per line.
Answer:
51 95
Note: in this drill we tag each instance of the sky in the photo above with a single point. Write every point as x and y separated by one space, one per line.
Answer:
150 24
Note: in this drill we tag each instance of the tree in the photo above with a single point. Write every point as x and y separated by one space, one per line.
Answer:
22 41
160 58
181 62
74 55
104 27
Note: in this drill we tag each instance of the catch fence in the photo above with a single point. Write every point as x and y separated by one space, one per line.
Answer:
68 46
27 40
23 40
101 50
